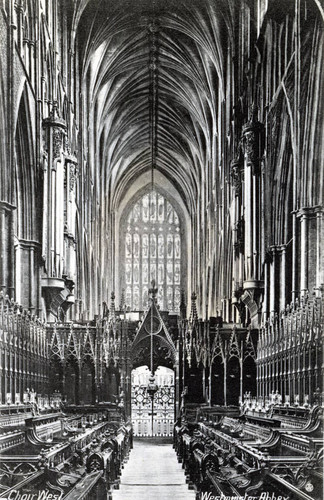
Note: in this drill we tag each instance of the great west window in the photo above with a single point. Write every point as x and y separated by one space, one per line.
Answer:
151 248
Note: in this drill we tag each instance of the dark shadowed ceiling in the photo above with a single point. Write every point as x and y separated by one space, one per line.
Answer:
152 72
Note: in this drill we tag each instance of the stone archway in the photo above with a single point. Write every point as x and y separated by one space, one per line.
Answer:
153 351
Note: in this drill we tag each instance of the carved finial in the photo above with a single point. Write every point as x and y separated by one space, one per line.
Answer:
54 113
153 291
112 312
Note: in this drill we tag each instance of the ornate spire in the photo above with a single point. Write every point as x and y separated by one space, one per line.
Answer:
193 312
112 311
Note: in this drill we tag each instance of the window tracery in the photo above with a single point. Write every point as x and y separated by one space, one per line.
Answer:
152 251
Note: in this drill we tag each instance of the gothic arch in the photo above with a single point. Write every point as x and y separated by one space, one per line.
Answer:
136 191
26 230
24 192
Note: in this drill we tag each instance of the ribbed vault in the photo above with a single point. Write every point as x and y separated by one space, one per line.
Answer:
151 81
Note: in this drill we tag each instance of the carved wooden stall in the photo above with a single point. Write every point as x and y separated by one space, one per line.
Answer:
55 450
254 453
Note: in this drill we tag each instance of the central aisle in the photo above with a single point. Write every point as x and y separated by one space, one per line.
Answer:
153 473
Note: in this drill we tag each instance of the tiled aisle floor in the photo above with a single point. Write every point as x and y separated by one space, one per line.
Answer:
153 473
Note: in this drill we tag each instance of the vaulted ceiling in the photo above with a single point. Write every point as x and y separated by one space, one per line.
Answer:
152 73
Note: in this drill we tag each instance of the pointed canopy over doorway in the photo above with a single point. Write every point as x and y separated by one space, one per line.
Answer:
153 325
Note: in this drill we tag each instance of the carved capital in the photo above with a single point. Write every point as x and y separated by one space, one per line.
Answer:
55 125
309 212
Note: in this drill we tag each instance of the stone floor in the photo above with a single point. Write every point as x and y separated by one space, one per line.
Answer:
153 473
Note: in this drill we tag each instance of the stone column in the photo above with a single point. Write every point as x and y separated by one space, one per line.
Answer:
252 135
282 278
252 139
304 243
273 292
6 248
53 217
237 176
319 248
311 264
71 176
265 303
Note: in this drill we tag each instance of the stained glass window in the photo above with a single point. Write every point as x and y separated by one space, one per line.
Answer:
152 250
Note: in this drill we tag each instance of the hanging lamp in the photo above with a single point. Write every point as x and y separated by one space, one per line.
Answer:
152 386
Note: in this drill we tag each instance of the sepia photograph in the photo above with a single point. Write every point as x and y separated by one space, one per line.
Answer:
161 249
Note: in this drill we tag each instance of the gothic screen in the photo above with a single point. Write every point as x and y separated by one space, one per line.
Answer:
151 249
